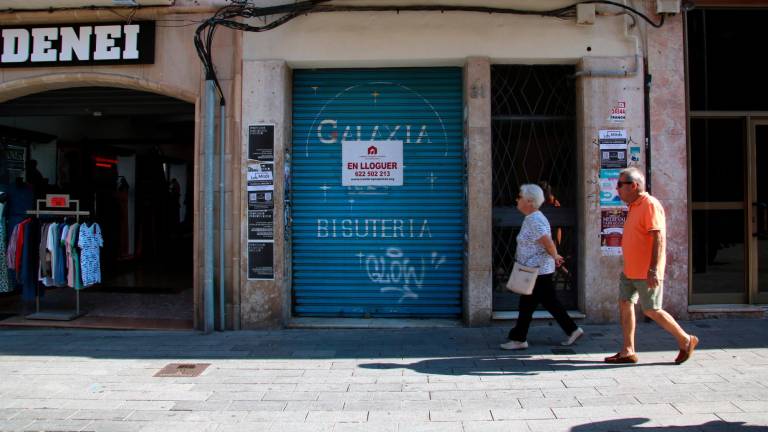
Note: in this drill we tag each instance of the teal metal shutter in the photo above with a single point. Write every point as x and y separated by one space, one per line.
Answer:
378 251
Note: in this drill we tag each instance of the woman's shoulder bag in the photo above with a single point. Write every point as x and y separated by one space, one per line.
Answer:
522 279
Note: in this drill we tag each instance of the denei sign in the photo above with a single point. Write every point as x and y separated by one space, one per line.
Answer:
77 44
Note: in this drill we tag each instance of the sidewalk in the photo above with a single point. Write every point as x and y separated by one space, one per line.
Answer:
445 379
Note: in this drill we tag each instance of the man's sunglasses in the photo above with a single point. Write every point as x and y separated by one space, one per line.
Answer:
622 183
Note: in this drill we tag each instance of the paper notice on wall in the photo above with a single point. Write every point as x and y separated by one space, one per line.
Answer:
612 230
261 224
261 262
609 197
261 142
260 177
372 163
613 148
618 112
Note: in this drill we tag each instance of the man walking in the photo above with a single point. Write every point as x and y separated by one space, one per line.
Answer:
644 249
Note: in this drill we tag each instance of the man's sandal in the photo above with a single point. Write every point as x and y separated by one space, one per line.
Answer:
685 354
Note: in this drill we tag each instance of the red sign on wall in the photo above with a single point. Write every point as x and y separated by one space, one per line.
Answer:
57 201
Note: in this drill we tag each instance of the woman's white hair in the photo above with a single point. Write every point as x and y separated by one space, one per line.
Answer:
533 194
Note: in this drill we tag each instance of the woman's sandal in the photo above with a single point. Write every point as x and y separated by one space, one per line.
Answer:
620 359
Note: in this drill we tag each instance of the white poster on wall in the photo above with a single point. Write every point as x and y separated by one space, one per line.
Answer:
613 148
618 112
260 177
372 163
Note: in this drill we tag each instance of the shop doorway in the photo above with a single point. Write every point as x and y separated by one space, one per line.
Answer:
533 122
730 210
127 157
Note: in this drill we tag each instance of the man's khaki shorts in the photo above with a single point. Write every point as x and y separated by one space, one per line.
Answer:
632 289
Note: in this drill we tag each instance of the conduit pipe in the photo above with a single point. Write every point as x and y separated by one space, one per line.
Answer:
208 154
222 220
615 72
11 16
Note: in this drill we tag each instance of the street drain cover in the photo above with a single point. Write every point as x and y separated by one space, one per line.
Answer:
562 351
182 370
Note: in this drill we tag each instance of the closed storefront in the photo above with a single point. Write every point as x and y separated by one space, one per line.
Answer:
377 192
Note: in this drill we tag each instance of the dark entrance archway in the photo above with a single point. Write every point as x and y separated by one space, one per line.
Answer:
128 157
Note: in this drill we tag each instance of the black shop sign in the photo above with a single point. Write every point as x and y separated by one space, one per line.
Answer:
77 44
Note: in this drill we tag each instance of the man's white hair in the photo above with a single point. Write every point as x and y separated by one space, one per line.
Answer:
634 175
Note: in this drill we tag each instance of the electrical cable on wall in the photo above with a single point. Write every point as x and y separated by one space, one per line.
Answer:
227 16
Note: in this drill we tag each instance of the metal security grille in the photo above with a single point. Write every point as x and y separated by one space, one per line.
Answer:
534 141
378 251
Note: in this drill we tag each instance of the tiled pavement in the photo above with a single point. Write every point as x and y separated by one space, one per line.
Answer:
425 379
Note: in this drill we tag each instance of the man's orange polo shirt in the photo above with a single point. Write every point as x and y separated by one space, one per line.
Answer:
645 215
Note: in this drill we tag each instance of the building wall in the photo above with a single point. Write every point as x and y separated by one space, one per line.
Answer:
475 41
255 70
380 39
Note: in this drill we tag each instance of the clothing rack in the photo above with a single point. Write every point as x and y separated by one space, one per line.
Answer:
57 315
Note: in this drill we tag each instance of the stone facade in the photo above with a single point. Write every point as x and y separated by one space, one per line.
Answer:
255 71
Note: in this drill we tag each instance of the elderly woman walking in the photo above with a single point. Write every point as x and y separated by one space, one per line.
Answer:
535 248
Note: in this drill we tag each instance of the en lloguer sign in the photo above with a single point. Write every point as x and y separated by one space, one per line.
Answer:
77 44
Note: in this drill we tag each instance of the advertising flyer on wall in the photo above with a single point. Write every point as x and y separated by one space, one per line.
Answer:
613 148
609 197
261 142
260 177
612 230
618 112
261 263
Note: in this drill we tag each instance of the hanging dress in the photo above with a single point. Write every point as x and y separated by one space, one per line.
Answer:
73 273
90 241
30 260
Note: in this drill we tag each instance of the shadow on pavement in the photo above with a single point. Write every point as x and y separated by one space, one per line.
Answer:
637 424
521 365
455 350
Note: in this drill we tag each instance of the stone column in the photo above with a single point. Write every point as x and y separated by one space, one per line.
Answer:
478 280
266 99
595 97
669 154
